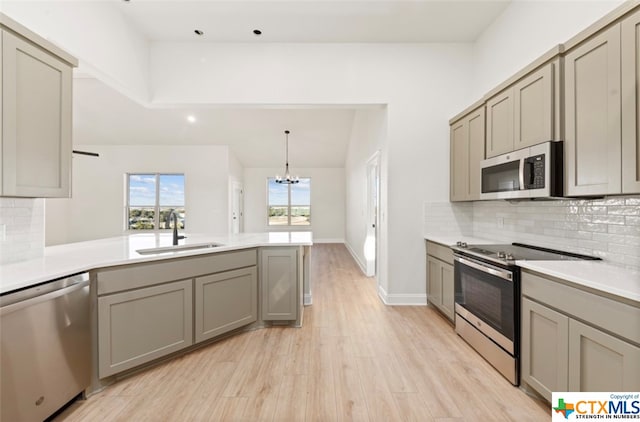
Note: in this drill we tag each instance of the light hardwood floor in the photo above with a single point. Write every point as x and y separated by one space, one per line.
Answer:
354 359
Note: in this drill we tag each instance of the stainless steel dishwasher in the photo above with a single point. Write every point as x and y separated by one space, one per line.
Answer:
45 352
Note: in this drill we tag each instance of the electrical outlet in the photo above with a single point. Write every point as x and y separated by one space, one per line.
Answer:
500 222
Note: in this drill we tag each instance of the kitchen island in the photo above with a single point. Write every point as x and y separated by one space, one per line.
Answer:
151 301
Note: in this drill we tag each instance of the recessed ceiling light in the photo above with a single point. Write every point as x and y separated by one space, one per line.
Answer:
191 119
257 32
199 32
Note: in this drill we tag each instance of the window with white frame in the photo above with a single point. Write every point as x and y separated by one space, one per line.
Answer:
150 199
289 204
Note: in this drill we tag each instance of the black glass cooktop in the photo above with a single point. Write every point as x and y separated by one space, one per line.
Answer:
520 251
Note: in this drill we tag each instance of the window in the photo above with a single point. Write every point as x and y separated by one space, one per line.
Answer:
289 205
150 199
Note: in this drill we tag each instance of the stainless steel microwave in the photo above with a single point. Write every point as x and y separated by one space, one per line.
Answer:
533 172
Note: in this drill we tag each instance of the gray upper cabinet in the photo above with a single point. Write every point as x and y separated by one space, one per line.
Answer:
36 115
630 106
500 123
279 284
467 151
592 116
534 108
225 301
524 114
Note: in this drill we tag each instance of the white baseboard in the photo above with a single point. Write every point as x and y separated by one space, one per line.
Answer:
308 299
328 240
356 258
402 299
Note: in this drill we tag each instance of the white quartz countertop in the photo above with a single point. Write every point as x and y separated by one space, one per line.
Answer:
598 275
63 260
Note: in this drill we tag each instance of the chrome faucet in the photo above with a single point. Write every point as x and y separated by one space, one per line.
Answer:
175 227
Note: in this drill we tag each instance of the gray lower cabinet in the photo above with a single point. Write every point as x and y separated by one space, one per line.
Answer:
545 350
279 283
601 362
575 340
138 326
225 301
440 283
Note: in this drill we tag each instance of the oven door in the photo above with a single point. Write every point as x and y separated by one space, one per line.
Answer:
485 296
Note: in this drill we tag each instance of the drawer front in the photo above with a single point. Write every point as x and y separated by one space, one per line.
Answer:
127 277
443 253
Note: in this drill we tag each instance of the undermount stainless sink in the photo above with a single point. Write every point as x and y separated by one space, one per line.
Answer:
178 248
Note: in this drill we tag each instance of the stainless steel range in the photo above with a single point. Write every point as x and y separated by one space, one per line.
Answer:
487 299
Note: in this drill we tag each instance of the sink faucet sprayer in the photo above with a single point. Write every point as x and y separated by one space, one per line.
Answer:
175 227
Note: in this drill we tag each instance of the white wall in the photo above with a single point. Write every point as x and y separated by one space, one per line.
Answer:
327 201
97 207
368 135
423 85
106 45
525 31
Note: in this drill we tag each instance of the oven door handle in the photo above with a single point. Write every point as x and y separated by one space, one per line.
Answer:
507 275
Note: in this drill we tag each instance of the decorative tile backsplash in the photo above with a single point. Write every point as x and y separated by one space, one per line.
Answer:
608 228
21 229
448 218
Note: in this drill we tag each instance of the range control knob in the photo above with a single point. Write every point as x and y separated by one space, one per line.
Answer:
509 257
463 244
501 254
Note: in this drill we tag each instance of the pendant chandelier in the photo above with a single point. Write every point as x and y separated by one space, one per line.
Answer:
287 179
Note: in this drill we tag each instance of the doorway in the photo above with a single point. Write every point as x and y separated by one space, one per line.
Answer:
237 208
373 216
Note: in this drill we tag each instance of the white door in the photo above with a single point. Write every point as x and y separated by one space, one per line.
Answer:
237 205
373 204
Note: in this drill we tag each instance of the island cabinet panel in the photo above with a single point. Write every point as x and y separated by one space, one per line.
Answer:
545 350
125 277
601 362
592 116
534 108
279 283
36 121
137 326
225 301
631 104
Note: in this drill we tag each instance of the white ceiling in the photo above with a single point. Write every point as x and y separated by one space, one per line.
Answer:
319 136
313 20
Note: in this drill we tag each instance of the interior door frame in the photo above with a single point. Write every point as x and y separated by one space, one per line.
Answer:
235 187
373 214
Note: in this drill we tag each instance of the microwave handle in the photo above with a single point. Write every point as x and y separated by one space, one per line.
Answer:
521 174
